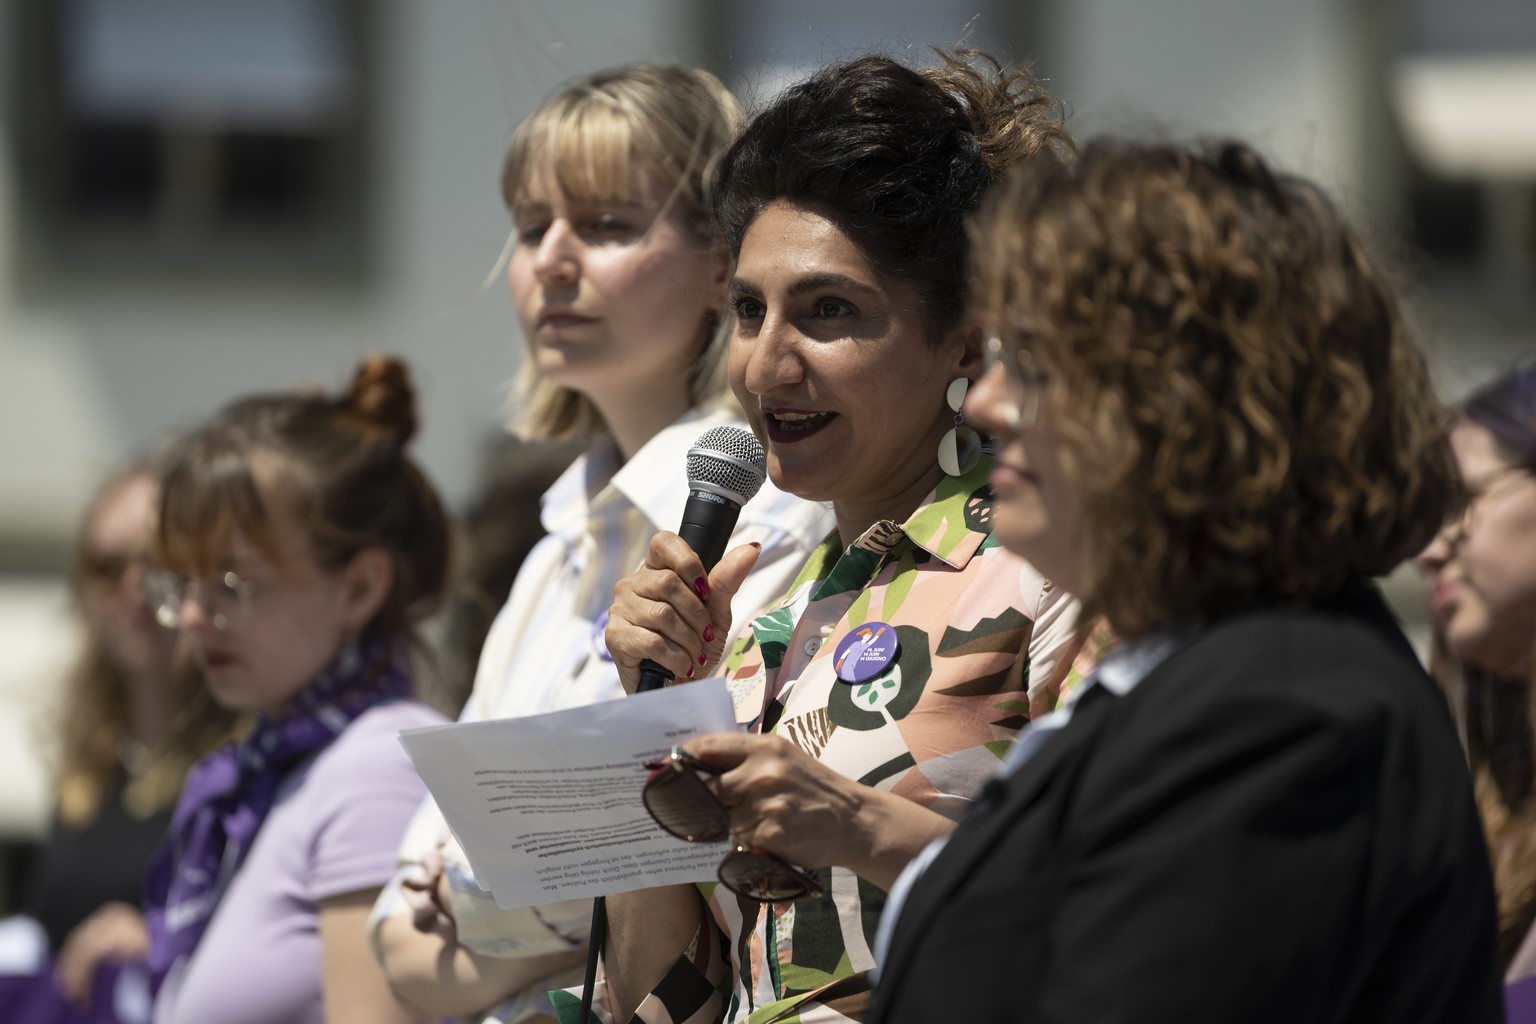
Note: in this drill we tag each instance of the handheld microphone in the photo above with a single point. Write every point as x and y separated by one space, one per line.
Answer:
726 467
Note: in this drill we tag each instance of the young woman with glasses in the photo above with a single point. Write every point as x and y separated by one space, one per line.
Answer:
1482 571
300 544
881 691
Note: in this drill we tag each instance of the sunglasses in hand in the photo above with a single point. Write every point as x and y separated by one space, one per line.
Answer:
678 799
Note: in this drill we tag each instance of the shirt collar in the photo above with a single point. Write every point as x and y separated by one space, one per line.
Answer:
655 481
1123 668
951 524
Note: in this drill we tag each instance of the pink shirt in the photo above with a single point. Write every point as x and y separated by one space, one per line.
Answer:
333 829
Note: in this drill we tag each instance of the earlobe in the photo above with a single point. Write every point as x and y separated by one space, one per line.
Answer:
369 577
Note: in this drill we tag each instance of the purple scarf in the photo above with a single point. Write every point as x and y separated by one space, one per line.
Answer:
228 793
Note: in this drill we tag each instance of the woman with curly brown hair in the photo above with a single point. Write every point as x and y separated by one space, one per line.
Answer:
1482 568
1215 430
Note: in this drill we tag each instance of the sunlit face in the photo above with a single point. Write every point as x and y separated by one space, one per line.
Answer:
117 545
837 368
612 295
1037 511
1482 568
290 625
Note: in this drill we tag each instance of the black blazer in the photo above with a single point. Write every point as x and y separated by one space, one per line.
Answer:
1275 825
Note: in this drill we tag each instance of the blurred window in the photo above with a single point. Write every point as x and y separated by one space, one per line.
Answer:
191 136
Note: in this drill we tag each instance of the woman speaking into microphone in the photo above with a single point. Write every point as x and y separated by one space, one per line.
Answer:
881 690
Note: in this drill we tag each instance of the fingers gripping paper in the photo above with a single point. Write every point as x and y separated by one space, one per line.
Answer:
548 807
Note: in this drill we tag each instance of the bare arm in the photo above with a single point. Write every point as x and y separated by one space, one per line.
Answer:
431 972
355 989
647 932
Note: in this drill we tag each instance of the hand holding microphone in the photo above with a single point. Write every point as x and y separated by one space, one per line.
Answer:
670 619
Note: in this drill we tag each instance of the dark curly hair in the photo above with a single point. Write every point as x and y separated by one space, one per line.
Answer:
1244 412
897 158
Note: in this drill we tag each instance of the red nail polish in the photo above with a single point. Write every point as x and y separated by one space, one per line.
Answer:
702 660
709 634
690 673
701 587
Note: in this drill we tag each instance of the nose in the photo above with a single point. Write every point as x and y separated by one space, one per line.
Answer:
988 407
557 261
772 357
192 616
1441 547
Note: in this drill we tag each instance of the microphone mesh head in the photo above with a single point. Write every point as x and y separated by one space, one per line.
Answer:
728 461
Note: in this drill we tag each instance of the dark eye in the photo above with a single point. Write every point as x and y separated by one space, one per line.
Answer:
608 227
530 232
748 309
831 309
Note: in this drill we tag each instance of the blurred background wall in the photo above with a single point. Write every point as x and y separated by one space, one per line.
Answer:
200 198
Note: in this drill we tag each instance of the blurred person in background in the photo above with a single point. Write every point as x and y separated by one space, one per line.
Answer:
301 544
499 529
1215 429
1482 571
618 281
133 720
881 690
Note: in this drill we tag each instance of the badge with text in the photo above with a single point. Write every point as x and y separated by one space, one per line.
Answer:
865 652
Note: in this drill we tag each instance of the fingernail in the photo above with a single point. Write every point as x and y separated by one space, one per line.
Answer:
702 660
690 673
701 587
758 545
709 634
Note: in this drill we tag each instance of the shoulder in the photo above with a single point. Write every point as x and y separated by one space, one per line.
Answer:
371 743
1337 679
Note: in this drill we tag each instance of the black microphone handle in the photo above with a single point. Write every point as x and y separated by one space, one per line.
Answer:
708 520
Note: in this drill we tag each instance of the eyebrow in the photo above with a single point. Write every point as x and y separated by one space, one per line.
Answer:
813 283
530 206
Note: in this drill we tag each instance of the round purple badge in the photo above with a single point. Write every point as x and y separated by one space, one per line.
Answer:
599 641
865 652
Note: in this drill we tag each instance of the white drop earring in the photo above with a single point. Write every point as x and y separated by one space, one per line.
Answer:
960 447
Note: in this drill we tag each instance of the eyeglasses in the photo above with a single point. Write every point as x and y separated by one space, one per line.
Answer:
1457 528
682 804
224 598
1023 381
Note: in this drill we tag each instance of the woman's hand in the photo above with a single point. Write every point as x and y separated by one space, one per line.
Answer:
115 932
673 613
784 802
425 891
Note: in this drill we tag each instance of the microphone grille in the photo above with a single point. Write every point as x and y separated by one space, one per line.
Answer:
728 460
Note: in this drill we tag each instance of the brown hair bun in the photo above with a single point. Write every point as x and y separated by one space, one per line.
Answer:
382 393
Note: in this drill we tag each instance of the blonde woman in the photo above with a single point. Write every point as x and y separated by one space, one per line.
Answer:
618 283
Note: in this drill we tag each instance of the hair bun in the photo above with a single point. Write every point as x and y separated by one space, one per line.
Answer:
382 393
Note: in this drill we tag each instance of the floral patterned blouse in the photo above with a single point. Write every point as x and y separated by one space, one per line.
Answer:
978 631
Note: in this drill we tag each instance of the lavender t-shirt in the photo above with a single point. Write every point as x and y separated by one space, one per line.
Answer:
332 830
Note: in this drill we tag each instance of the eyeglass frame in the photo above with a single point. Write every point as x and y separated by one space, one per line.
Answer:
1024 381
165 592
1456 527
680 762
